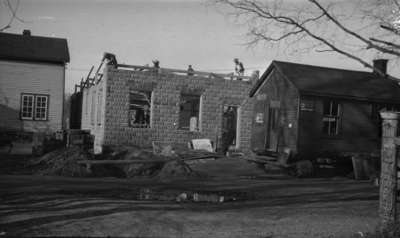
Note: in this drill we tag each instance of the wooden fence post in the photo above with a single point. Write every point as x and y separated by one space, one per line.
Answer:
388 180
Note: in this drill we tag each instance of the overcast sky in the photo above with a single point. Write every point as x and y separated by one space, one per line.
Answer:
177 33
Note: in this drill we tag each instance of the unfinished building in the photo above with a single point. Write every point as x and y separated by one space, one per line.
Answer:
136 105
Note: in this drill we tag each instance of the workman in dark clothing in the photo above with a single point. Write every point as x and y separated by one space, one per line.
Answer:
190 70
228 129
239 68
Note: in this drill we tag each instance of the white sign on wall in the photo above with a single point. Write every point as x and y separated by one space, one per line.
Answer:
260 118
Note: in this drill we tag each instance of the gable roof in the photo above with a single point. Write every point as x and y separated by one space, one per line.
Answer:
33 48
332 82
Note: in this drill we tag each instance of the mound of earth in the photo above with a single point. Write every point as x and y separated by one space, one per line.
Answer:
177 169
62 161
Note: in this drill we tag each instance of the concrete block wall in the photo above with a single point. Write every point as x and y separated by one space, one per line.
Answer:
166 92
93 107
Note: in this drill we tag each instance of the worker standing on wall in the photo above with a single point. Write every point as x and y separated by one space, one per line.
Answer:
190 70
156 66
239 69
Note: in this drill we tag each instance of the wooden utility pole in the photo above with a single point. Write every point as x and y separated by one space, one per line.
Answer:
388 180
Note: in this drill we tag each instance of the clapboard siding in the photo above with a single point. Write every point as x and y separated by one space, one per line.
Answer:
358 131
36 78
276 89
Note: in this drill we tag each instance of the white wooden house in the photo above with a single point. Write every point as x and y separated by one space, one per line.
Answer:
32 79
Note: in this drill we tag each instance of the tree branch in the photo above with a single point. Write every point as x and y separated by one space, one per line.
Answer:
260 35
13 12
397 4
386 43
295 26
352 33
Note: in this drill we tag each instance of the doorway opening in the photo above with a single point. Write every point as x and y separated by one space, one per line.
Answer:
230 130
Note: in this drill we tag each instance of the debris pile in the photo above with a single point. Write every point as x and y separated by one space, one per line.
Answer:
192 196
134 153
303 169
176 169
163 161
120 161
62 161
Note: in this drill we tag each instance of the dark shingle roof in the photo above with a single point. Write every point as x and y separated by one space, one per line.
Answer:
323 81
33 48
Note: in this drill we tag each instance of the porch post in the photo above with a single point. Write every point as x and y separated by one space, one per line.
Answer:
388 177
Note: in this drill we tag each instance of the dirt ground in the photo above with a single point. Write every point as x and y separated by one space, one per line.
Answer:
266 207
255 204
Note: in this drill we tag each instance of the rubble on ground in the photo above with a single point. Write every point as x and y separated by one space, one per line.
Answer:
136 153
167 161
176 169
303 169
62 161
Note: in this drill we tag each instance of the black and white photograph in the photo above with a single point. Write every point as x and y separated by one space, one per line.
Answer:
200 118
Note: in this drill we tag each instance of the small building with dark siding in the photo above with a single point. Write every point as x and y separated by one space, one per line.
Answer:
314 110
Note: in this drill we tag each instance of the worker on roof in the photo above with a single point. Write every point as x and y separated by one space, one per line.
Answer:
190 70
239 69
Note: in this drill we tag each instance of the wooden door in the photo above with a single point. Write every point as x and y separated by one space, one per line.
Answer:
259 134
273 133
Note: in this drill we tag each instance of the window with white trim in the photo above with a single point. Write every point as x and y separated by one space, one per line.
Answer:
34 107
27 106
331 117
41 103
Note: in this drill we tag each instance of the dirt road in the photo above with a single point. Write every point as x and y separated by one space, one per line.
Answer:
265 207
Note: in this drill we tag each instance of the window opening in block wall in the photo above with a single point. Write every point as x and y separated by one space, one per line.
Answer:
230 127
139 109
34 107
189 108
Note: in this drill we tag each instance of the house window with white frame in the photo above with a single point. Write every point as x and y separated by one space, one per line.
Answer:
34 107
41 105
331 117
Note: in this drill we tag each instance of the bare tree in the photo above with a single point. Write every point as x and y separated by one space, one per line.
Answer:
12 10
350 28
